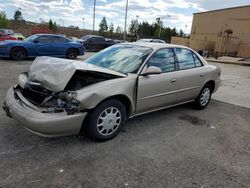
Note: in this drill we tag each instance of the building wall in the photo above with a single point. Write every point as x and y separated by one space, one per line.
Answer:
180 41
211 31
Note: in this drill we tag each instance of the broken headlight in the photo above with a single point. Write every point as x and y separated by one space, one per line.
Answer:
67 100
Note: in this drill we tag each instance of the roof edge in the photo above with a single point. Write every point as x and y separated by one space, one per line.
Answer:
229 8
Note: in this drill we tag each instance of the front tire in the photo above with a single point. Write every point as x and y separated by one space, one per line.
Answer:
204 97
18 53
106 120
72 53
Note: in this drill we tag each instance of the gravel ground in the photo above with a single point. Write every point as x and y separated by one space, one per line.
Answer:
177 147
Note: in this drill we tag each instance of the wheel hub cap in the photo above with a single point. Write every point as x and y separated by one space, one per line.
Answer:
109 121
205 96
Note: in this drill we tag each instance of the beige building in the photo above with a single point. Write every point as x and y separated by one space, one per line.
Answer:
221 32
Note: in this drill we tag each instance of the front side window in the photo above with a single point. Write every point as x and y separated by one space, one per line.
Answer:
163 59
185 58
123 58
59 39
44 39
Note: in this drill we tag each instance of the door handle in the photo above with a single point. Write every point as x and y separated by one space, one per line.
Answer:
202 74
173 80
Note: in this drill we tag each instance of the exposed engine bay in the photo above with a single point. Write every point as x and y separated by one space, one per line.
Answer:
66 100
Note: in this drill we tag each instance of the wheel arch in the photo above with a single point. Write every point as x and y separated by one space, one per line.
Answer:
123 99
211 83
26 51
74 49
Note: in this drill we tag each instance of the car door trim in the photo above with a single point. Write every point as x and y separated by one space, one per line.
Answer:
162 108
168 93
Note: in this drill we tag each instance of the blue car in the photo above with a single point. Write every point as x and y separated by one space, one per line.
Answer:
41 45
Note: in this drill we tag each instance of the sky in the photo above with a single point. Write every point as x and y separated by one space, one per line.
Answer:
72 12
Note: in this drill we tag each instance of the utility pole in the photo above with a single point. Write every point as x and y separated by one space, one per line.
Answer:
125 24
94 16
83 23
137 36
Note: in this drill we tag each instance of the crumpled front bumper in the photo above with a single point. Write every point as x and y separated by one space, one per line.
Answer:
42 124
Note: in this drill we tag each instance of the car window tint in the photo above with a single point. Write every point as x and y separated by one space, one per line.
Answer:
97 39
59 39
44 39
163 59
185 58
197 61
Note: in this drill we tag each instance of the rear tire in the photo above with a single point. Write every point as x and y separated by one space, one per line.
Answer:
204 97
72 53
18 53
106 120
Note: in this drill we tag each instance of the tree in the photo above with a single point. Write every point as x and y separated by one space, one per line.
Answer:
4 22
181 33
53 25
103 26
18 15
111 29
118 30
133 27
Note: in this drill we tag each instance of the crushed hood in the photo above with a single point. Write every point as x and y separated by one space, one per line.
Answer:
54 73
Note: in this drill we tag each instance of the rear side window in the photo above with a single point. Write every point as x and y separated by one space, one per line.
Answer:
185 58
197 61
59 39
163 59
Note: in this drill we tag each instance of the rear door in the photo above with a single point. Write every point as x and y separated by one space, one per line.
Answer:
191 75
43 45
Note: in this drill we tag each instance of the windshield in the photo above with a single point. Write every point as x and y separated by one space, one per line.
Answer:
86 37
125 58
31 38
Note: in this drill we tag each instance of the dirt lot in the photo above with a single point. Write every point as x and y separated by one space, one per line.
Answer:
178 147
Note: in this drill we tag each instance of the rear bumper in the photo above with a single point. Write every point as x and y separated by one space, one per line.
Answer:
42 124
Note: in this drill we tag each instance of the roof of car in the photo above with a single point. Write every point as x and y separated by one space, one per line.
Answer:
93 36
40 34
156 46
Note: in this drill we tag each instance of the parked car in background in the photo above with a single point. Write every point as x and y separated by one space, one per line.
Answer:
7 31
96 43
76 39
41 45
19 36
4 37
151 40
60 97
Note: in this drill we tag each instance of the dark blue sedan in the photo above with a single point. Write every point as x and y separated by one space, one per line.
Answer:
41 45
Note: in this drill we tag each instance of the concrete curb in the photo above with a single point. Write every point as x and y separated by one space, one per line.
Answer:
242 63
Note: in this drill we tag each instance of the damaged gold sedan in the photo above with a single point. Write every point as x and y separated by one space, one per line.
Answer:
57 97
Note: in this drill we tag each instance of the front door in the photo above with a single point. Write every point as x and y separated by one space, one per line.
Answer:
156 91
43 45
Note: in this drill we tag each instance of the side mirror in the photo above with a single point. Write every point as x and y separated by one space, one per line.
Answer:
152 70
35 41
